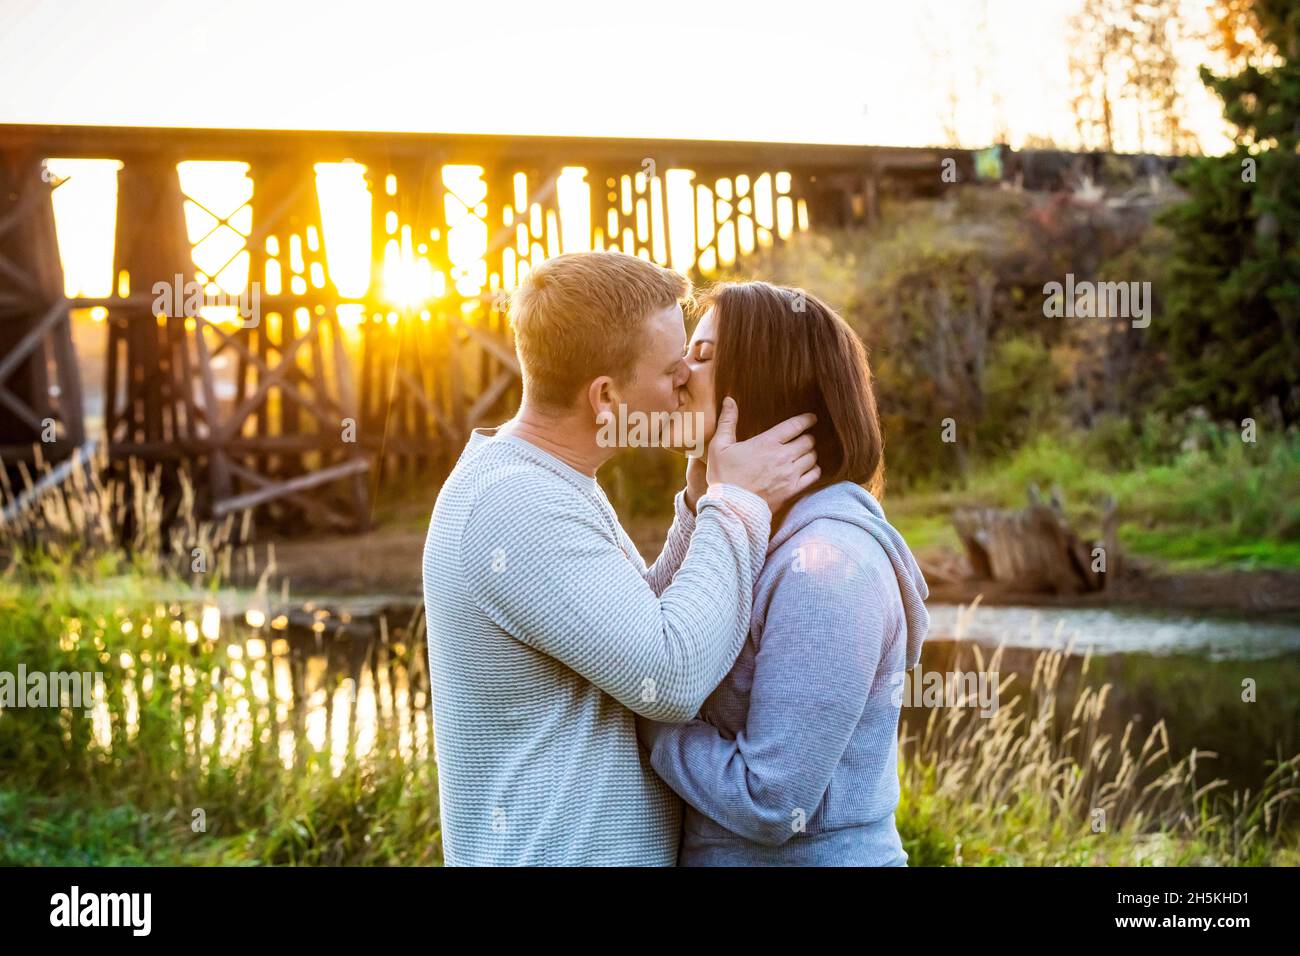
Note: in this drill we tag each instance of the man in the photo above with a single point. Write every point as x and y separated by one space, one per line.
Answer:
547 633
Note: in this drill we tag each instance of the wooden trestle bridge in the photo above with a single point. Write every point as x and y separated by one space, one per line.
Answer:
296 409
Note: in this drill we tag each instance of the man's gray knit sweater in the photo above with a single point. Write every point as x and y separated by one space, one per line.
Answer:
547 634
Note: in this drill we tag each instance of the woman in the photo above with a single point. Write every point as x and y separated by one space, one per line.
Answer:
793 758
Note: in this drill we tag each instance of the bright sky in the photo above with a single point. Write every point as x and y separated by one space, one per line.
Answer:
831 71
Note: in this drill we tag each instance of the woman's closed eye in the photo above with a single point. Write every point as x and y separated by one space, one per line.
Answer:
702 351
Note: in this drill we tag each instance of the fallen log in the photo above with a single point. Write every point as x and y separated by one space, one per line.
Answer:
1035 548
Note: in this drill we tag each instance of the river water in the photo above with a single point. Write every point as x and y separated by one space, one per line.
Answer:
1230 685
1118 630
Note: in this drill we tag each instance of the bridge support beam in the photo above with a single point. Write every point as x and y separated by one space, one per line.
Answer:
35 322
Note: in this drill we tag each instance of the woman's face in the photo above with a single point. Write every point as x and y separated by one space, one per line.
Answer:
700 400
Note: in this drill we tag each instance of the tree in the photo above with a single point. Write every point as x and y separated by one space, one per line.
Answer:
1232 327
1094 69
1234 31
1148 43
1124 65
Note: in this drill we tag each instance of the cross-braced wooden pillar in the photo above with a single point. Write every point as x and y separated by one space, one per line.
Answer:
35 322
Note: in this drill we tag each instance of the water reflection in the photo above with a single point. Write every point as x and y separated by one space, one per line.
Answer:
303 681
1118 630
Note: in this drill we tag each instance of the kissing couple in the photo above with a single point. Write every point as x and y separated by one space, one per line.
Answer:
730 704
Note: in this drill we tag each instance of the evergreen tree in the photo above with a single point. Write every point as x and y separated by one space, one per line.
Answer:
1232 327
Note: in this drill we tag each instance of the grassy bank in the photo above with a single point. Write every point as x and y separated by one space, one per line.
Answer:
1113 761
185 757
1219 502
142 782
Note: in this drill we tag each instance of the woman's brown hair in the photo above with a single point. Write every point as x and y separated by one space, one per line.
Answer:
782 351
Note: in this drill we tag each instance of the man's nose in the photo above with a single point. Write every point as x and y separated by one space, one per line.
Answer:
683 375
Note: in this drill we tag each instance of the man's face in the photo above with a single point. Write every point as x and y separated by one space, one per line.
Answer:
659 377
660 373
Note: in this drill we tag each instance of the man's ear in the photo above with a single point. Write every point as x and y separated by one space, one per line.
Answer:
603 401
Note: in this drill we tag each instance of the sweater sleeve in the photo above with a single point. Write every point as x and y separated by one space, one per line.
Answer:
820 647
660 574
542 563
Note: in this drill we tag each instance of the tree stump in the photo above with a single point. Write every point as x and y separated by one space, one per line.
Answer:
1035 549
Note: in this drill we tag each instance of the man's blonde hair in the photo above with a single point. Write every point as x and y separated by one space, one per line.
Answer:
582 315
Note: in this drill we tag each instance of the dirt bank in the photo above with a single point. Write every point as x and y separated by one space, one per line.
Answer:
388 561
1250 592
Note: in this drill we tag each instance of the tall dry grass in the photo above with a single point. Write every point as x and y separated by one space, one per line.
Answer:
104 516
1043 781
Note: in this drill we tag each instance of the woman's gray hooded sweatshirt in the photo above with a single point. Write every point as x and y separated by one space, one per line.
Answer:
793 758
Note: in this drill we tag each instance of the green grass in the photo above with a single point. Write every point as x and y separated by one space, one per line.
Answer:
377 817
1225 504
147 788
40 830
922 518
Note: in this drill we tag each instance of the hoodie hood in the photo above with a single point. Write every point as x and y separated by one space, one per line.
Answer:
853 504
